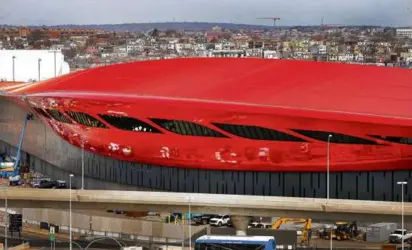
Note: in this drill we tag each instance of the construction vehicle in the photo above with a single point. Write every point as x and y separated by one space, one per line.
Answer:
14 173
343 231
281 221
306 231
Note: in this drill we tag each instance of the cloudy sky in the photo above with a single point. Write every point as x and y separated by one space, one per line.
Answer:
292 12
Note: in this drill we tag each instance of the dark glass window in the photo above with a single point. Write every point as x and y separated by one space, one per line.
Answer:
257 133
336 137
187 128
402 140
58 116
129 123
42 112
86 119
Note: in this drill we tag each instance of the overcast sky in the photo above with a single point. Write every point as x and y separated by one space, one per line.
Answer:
292 12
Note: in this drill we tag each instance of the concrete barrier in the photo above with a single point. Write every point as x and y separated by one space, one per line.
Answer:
87 223
23 246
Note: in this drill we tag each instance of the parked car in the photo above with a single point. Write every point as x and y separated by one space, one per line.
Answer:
46 184
60 184
35 183
204 218
400 235
221 220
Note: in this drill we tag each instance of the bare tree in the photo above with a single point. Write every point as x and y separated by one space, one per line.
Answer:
70 53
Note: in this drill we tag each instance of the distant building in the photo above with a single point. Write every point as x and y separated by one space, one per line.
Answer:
23 65
404 32
270 54
217 29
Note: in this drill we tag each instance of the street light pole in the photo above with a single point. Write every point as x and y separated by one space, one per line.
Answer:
190 221
328 166
13 58
190 225
55 69
82 163
6 217
402 183
328 183
39 62
70 212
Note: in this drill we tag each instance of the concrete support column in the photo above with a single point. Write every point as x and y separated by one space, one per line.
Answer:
240 223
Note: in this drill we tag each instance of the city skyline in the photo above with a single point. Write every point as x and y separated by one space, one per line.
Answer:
292 12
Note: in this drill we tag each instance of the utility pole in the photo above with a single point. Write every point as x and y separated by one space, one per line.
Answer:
55 69
6 217
13 58
39 62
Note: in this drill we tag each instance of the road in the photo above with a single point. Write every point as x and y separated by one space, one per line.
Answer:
331 209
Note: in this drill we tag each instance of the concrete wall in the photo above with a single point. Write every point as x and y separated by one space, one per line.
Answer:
57 158
107 224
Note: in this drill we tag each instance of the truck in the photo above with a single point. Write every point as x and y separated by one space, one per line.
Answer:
220 220
400 235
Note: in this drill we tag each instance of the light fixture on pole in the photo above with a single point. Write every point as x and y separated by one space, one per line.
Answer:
39 62
402 183
70 212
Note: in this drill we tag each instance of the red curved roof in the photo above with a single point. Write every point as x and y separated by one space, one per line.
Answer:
299 84
240 99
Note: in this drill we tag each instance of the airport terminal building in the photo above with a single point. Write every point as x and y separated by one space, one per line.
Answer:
219 125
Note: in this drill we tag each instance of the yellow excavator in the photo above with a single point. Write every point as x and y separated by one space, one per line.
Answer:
306 231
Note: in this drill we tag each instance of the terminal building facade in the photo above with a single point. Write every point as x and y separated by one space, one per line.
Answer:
53 147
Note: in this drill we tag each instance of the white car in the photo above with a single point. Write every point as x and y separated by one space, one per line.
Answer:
396 236
220 220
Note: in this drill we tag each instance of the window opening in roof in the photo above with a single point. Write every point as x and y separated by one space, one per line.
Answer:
187 128
58 116
395 139
85 119
257 133
336 137
129 123
42 112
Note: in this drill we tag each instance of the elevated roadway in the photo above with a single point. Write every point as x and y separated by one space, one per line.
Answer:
241 205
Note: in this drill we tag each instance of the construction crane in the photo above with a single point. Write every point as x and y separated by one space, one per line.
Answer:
274 19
